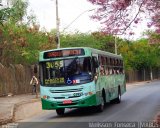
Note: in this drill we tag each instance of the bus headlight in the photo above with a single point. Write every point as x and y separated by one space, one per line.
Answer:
90 93
45 97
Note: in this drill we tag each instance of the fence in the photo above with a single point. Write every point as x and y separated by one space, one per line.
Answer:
15 79
142 75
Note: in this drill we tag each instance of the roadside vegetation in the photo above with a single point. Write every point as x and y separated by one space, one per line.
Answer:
21 40
20 37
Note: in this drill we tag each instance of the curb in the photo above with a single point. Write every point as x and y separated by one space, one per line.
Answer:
9 119
138 83
22 109
14 110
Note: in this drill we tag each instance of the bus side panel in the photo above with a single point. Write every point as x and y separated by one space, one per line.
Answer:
103 83
123 83
112 88
119 82
110 84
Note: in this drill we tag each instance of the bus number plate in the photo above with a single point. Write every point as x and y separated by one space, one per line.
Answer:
67 101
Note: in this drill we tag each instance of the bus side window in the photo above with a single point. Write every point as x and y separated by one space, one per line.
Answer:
106 64
110 71
118 64
113 71
121 70
111 68
95 64
102 70
106 71
103 65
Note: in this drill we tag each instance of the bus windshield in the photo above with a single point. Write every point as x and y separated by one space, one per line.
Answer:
66 71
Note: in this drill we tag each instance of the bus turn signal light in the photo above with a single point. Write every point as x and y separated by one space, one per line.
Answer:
90 93
44 97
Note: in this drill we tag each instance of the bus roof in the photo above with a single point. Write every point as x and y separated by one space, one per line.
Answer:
94 51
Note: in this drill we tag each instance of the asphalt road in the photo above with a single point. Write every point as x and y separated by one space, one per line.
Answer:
140 103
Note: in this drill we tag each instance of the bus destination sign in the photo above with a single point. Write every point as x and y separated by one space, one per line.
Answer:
63 53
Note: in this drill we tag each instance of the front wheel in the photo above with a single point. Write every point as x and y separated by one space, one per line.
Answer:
60 111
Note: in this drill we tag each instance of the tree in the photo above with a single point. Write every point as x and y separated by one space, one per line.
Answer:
117 16
15 13
19 42
78 40
18 10
4 15
140 55
98 40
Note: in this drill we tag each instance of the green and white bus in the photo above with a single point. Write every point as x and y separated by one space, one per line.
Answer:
80 77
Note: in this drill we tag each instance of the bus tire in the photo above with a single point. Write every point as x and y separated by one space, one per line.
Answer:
118 99
100 107
104 96
60 111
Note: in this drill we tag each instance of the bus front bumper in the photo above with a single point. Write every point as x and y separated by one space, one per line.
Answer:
85 102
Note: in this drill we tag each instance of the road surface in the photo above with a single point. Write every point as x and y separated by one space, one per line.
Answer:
140 103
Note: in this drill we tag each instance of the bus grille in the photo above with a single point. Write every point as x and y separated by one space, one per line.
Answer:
66 90
59 97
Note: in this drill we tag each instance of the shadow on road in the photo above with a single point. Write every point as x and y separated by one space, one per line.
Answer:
80 112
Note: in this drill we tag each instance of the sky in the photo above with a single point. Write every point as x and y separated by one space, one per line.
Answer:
69 10
74 16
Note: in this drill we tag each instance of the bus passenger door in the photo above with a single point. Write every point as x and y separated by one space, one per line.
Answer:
95 70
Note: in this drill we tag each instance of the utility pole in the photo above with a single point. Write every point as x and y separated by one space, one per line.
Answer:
57 26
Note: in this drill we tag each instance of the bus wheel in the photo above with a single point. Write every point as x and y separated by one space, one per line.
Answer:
100 107
118 99
60 111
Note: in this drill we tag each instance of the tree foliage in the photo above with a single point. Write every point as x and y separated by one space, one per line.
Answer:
14 13
18 10
4 15
140 54
117 16
96 40
137 54
20 43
